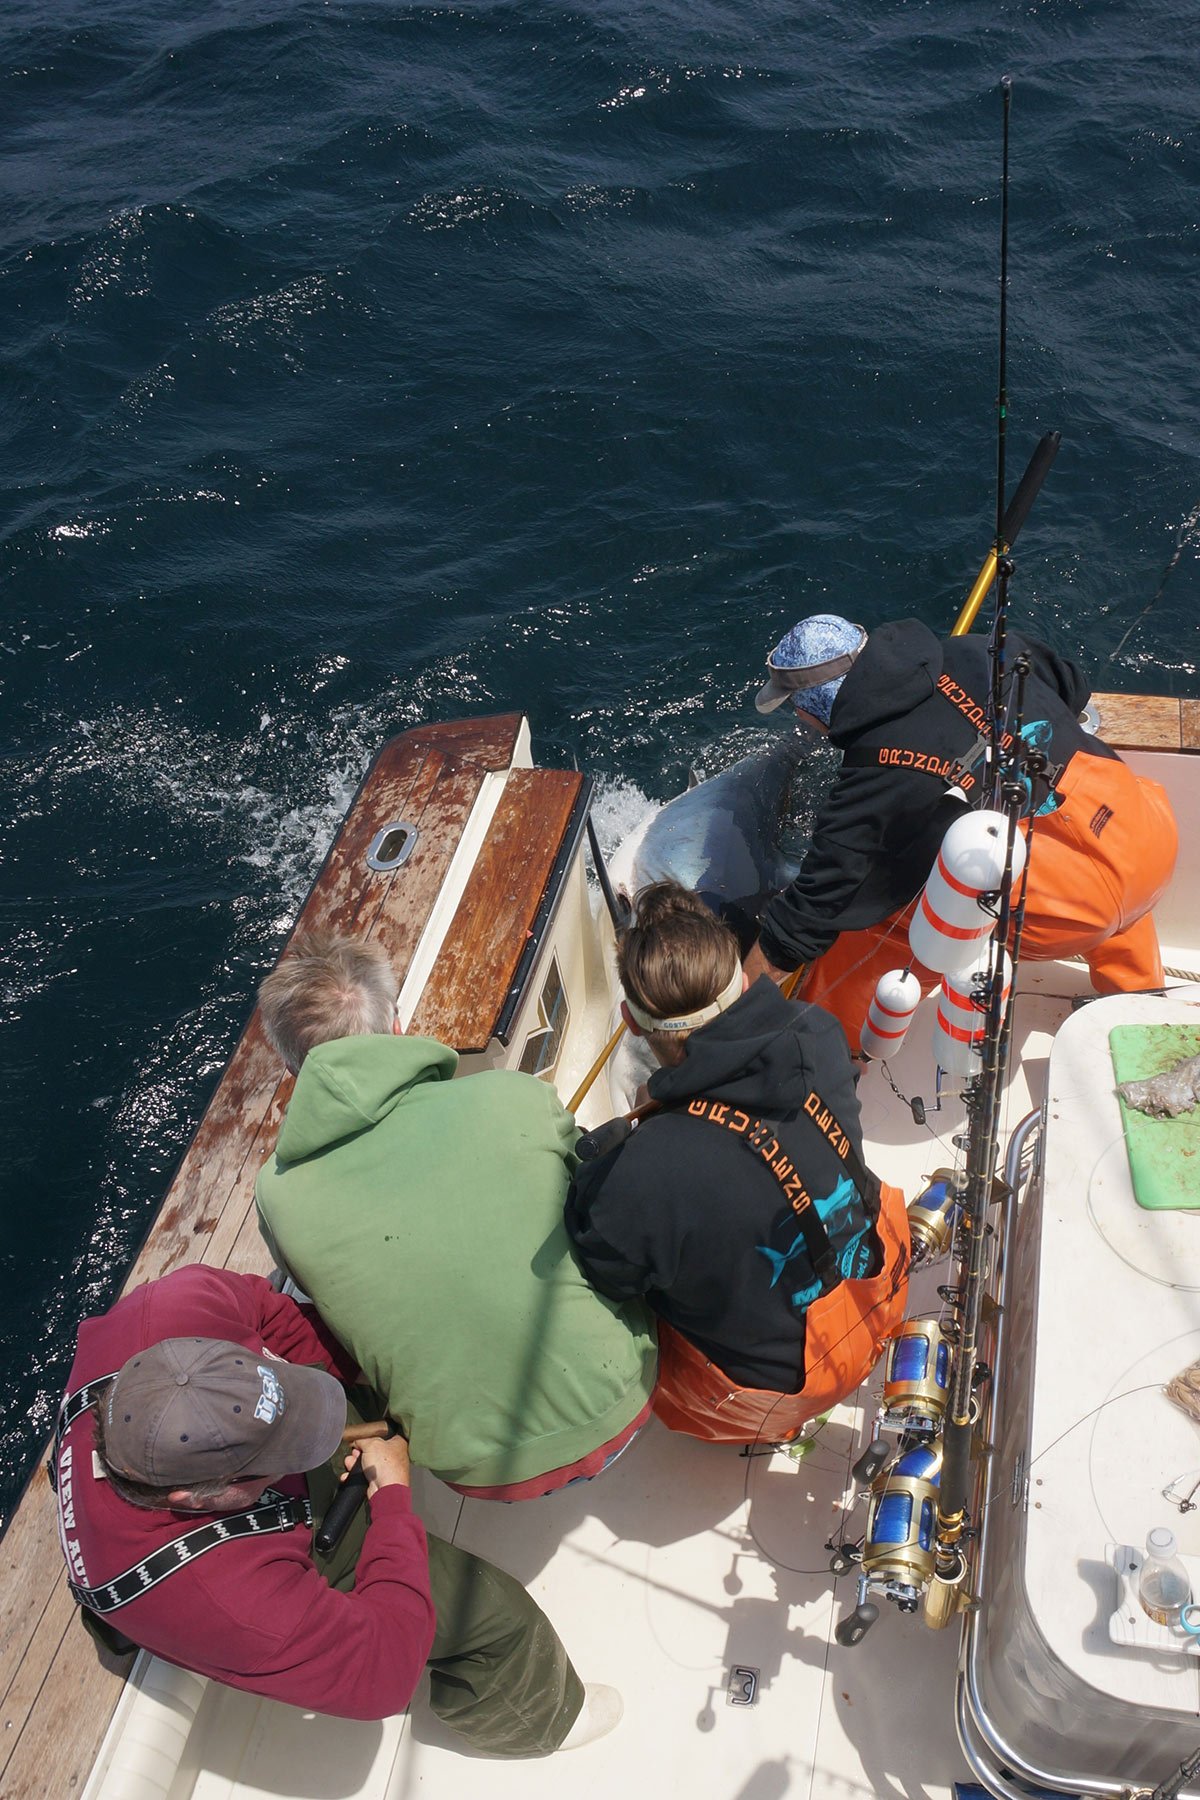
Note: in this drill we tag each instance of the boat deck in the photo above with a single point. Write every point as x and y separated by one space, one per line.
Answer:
685 1561
688 1561
681 1565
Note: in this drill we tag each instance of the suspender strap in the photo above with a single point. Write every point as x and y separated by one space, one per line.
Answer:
761 1139
956 772
73 1405
865 1180
274 1513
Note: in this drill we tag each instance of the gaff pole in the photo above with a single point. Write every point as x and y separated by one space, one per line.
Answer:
1019 506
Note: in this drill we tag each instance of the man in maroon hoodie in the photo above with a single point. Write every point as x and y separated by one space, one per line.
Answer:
194 1408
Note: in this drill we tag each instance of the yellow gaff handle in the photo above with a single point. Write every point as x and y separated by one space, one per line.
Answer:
1018 511
976 597
581 1094
367 1432
788 986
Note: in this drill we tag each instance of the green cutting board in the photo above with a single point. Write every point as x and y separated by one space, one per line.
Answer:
1164 1154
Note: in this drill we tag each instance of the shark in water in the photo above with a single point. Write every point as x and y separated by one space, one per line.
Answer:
721 838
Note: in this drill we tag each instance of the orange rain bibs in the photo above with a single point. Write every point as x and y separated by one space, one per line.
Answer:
846 1331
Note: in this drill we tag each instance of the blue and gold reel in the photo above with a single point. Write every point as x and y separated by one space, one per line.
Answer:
901 1539
917 1375
933 1215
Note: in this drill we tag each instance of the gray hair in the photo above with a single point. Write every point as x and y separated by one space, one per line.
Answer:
329 985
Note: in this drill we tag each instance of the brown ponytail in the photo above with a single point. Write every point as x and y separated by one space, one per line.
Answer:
677 955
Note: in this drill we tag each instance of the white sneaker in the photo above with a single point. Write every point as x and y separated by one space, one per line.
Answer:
601 1711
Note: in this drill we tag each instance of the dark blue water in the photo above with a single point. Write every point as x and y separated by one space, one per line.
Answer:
368 363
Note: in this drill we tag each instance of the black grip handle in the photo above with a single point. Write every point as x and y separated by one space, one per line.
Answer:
871 1461
1030 484
604 1138
854 1628
346 1502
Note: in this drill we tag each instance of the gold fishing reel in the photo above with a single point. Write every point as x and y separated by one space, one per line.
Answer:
934 1215
916 1376
900 1545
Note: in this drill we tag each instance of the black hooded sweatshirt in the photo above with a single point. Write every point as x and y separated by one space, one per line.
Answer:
919 703
687 1215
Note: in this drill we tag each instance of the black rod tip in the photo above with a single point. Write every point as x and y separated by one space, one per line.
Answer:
1006 85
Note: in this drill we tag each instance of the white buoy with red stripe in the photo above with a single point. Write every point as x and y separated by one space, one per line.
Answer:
949 924
958 1029
897 996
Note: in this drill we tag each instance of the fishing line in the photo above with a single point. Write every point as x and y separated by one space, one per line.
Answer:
1187 532
760 1438
775 1562
1092 1448
1147 1388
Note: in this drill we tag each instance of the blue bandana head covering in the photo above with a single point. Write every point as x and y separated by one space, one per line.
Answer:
809 665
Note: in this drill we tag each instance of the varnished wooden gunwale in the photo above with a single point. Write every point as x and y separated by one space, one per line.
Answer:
1148 722
58 1690
498 908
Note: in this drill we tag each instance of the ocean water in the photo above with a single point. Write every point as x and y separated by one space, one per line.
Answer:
367 363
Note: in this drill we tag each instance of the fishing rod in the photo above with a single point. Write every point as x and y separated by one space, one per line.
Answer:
1014 764
1175 1784
914 1546
1003 562
983 1097
949 1572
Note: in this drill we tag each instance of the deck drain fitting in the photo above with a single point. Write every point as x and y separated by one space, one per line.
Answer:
392 846
743 1686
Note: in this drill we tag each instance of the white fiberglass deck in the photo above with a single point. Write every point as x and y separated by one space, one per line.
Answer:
682 1562
1089 1452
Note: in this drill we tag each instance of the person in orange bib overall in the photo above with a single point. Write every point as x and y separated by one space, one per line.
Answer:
907 712
741 1209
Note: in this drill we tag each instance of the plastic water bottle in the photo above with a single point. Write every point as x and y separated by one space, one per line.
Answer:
1163 1585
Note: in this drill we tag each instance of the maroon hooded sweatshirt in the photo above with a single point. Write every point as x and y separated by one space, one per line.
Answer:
252 1612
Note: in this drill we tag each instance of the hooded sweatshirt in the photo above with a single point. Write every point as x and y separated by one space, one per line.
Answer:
424 1217
686 1214
910 708
253 1612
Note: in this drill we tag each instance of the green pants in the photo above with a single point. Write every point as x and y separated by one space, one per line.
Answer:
498 1674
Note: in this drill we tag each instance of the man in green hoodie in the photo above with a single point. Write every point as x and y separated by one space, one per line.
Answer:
425 1218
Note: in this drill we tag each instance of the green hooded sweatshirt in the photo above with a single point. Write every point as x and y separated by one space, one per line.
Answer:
425 1218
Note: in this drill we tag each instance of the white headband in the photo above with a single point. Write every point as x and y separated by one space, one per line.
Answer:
689 1021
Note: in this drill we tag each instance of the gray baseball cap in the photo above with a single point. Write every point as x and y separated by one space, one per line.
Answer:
200 1409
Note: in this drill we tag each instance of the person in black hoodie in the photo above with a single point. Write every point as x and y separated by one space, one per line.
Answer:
907 711
741 1208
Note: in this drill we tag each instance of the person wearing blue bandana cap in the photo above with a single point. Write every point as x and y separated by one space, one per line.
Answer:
809 664
908 713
